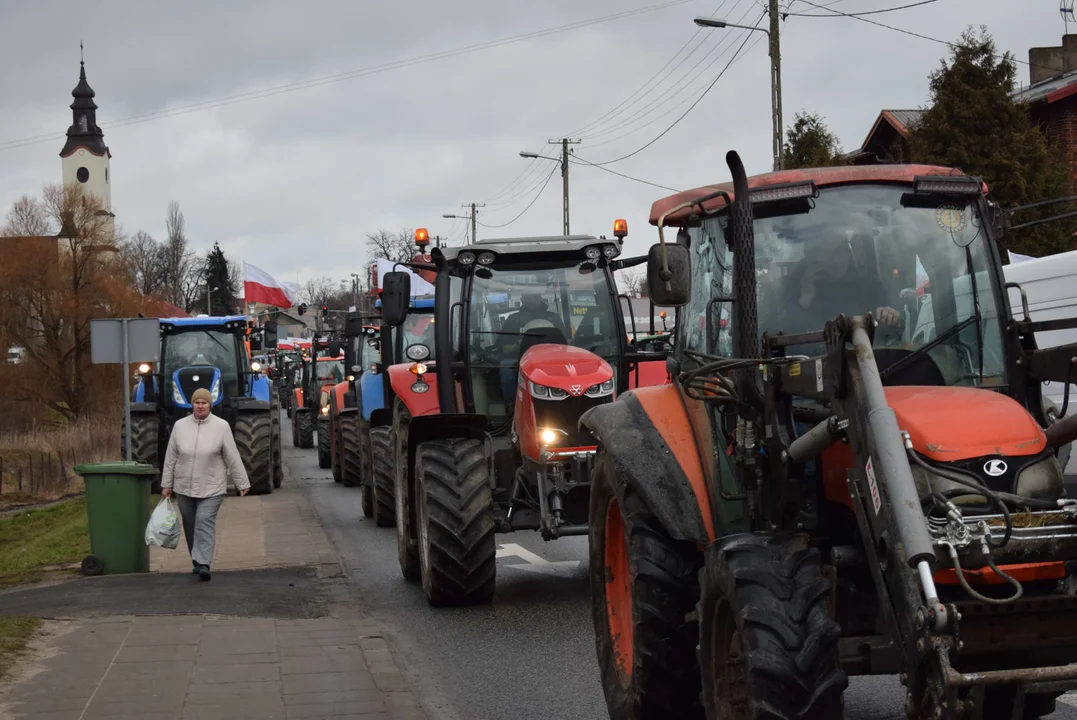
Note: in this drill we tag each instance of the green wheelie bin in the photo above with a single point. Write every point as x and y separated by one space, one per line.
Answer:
118 507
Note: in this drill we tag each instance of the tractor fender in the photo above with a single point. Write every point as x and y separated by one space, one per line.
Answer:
298 397
261 388
372 392
401 379
648 436
143 407
380 417
244 404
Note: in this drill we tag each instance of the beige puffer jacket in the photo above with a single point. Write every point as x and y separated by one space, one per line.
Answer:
201 456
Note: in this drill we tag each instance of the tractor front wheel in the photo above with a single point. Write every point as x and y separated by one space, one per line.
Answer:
407 549
767 644
145 436
254 438
643 584
366 470
350 456
304 428
278 447
324 459
382 477
456 522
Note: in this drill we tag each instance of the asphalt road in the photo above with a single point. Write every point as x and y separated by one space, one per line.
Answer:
529 655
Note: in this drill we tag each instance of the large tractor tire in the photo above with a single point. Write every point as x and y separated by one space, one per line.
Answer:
304 428
278 446
643 585
351 471
366 470
382 494
254 438
457 552
407 548
768 647
324 444
145 439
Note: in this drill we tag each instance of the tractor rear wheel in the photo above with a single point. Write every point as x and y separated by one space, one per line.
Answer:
456 522
407 548
145 436
366 470
334 452
278 446
350 457
254 438
768 647
304 428
381 476
324 461
643 584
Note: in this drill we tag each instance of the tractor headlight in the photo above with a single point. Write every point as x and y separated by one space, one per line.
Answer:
546 393
351 378
549 436
601 389
325 409
417 352
466 258
419 387
256 367
215 391
144 369
177 395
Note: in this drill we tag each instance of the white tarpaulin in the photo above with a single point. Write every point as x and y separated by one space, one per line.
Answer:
418 285
1016 257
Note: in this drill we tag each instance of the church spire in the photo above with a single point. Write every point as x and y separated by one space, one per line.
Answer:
84 131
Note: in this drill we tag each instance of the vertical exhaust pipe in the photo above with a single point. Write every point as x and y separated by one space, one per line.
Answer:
745 310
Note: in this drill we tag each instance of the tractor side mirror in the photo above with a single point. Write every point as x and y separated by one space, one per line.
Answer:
334 348
353 327
270 329
675 289
395 297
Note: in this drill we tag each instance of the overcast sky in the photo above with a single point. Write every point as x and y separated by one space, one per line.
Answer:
291 182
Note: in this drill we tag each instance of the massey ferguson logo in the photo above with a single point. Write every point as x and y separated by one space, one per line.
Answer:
994 468
576 389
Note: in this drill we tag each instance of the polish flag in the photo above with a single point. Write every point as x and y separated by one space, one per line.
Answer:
260 286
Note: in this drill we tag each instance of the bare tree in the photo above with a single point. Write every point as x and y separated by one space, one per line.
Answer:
396 246
147 260
178 258
192 284
28 217
318 292
632 282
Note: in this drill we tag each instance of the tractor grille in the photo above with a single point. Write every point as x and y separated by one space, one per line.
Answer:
565 415
187 381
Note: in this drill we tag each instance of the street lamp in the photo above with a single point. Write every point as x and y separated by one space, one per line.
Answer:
355 290
563 160
209 300
775 71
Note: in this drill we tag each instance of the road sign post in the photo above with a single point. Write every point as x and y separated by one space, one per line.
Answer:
125 340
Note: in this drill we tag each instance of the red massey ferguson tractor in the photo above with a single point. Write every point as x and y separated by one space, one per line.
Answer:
830 491
528 335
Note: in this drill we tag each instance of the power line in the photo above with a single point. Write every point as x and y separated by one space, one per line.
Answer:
678 88
537 196
339 77
747 34
859 14
632 99
580 160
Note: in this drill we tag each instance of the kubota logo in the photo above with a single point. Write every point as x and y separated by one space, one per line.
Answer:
994 468
576 389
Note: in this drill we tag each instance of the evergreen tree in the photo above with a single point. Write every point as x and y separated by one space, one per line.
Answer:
809 143
974 124
219 277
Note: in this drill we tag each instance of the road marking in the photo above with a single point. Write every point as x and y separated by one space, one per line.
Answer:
535 563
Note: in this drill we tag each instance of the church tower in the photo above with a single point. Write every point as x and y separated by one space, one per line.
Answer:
85 156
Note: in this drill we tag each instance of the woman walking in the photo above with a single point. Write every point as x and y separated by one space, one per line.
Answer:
201 457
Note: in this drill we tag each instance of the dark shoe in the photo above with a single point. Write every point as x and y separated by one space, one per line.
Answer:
203 573
194 570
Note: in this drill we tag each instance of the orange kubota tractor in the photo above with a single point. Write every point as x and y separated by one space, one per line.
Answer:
838 494
528 334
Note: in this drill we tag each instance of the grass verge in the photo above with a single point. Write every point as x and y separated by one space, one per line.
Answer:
35 541
15 632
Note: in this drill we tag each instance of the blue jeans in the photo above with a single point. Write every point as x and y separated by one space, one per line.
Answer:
200 526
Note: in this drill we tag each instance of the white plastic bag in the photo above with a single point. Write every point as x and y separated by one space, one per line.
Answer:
163 529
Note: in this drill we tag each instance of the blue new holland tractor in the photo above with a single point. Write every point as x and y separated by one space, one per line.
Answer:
211 353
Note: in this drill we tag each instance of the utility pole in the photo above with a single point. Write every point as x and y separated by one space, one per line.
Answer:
776 83
564 143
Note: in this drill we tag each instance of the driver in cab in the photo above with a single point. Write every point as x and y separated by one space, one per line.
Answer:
829 281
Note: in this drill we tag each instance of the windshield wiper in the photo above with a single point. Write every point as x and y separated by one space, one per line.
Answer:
923 349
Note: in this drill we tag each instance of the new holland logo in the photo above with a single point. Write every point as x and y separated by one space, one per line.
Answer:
994 468
576 389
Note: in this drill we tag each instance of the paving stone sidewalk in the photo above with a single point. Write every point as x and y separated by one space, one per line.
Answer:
259 531
180 667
